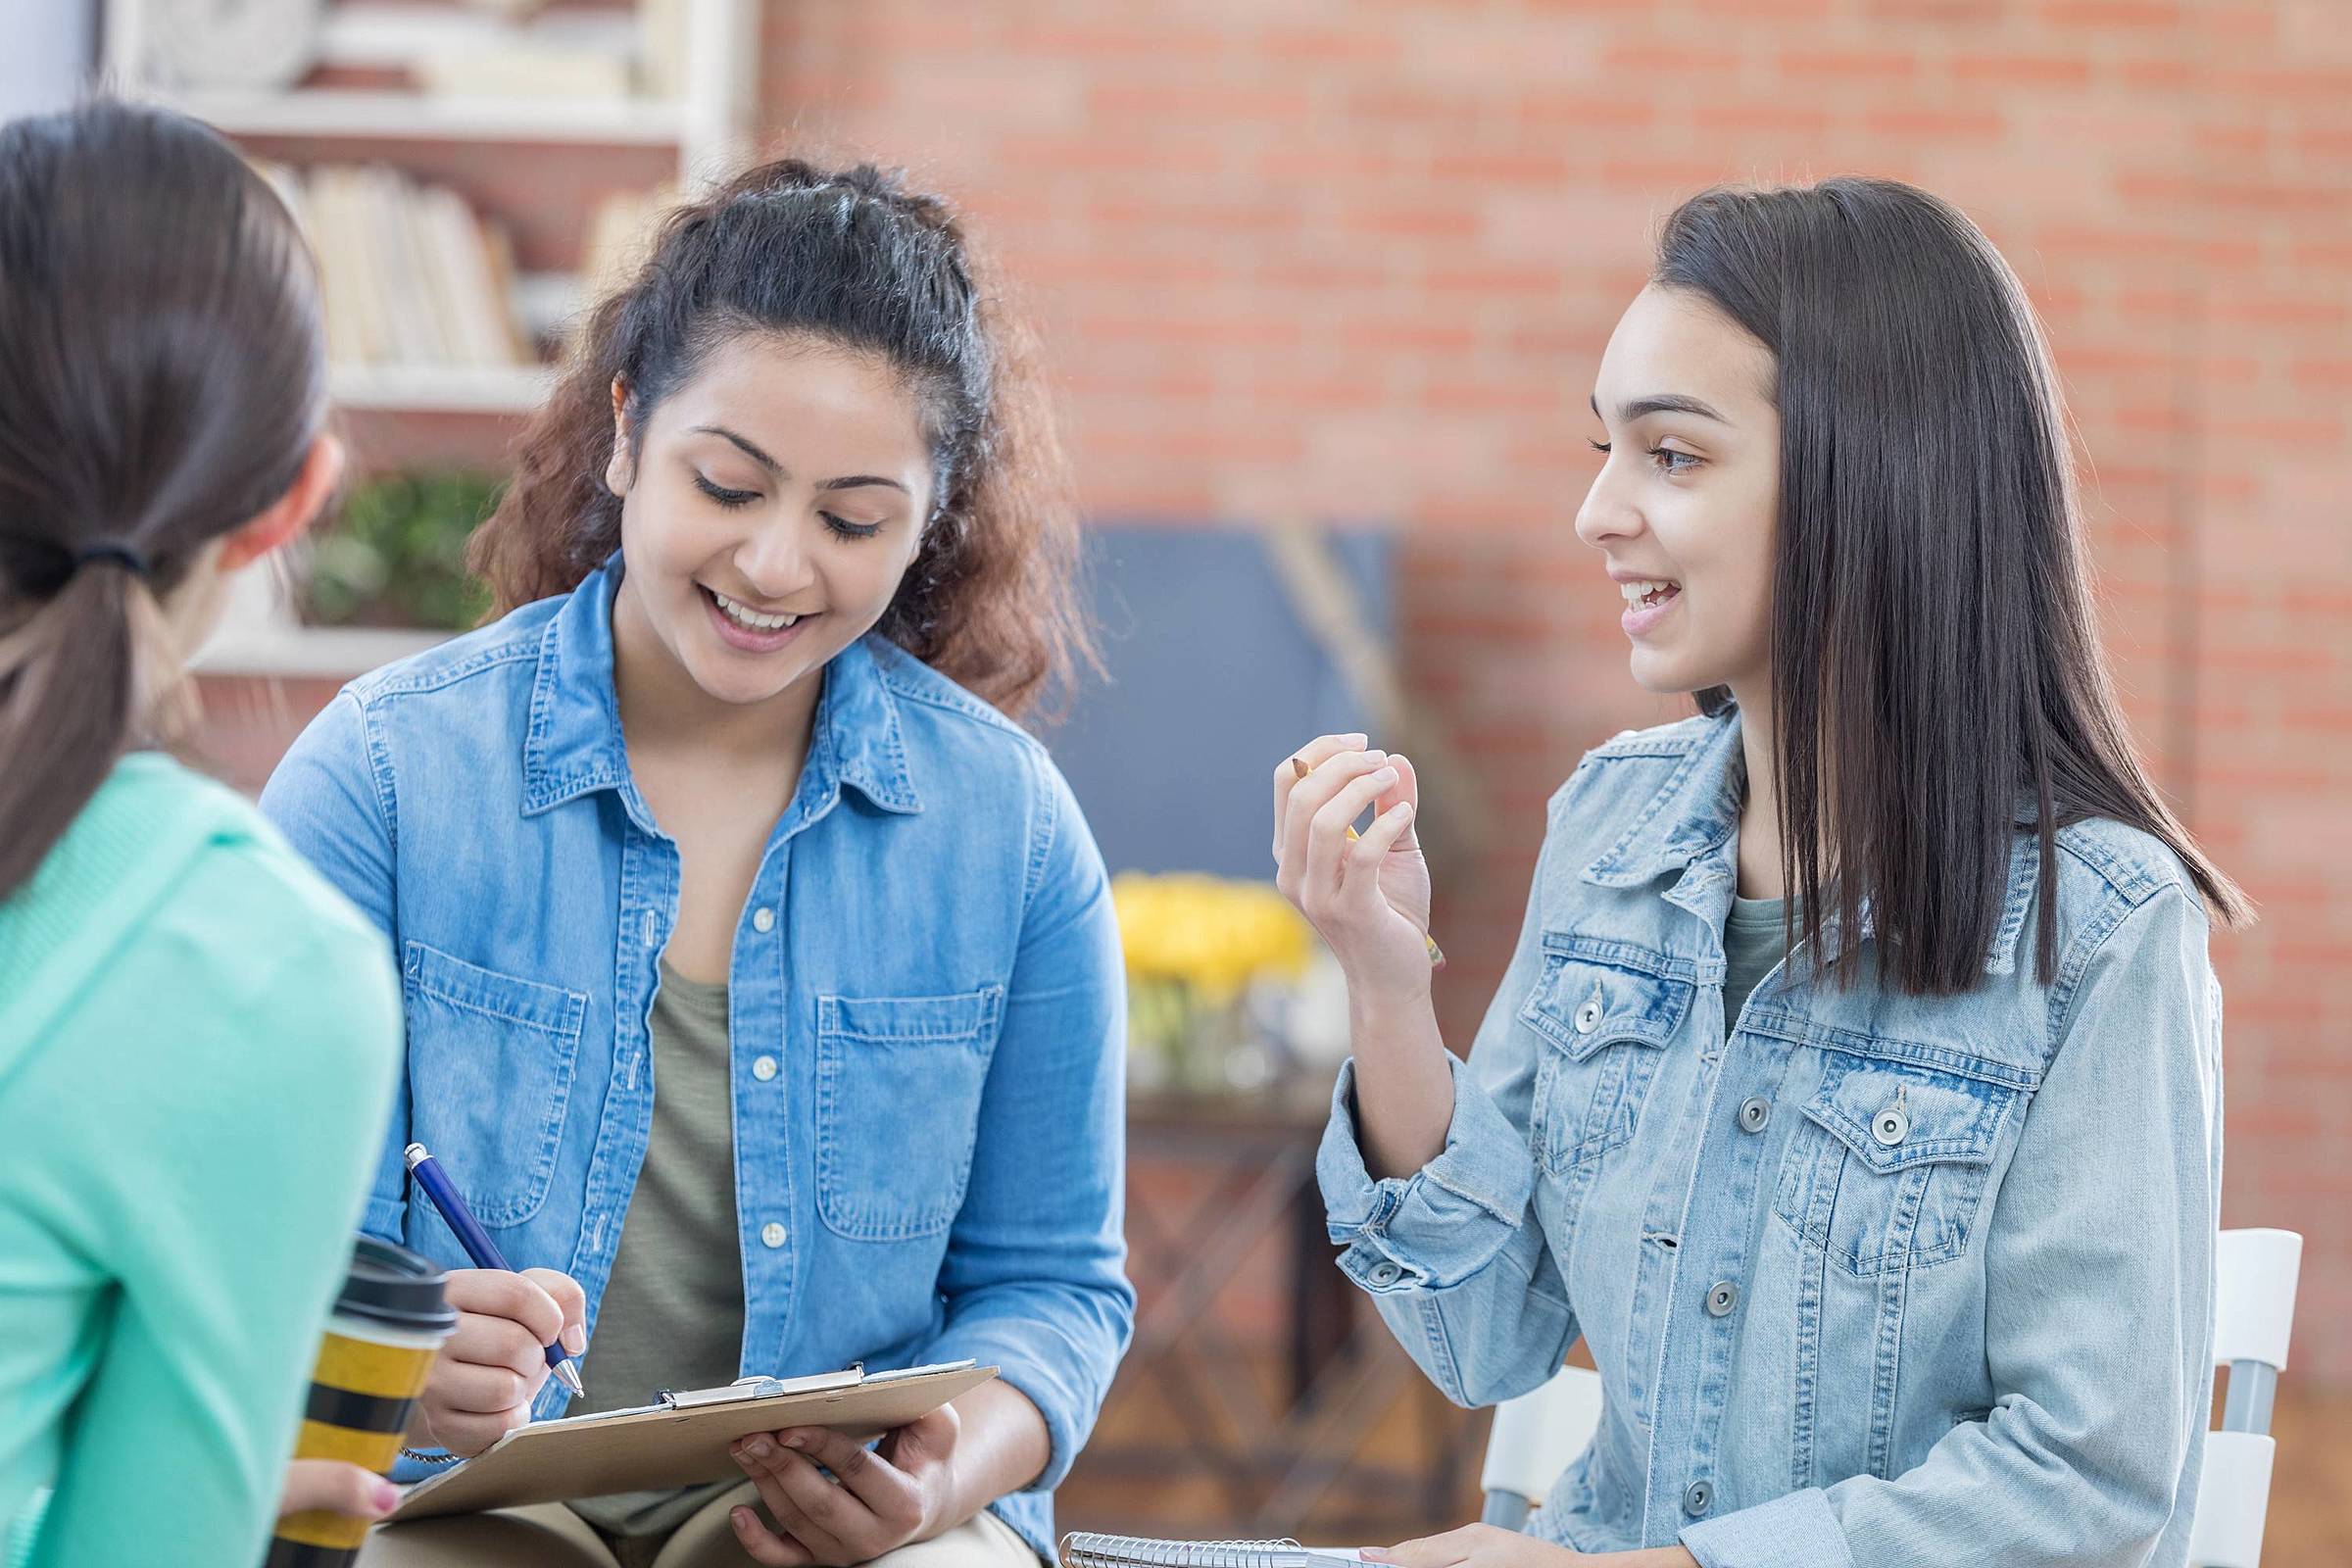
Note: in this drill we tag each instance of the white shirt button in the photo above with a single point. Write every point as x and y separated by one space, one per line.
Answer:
763 919
763 1068
772 1234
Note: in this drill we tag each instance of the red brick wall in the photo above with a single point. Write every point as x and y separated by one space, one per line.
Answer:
1355 259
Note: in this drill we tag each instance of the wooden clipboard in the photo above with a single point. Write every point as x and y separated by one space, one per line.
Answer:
682 1440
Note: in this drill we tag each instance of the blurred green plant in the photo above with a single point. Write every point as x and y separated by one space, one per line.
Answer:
396 555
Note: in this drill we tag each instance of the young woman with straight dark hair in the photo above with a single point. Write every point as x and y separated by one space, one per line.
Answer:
763 992
1855 1092
197 1035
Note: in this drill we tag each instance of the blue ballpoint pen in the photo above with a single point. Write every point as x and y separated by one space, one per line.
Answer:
477 1243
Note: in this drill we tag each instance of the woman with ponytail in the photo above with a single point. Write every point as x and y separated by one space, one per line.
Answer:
763 989
197 1035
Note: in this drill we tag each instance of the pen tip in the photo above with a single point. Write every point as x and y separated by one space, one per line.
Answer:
570 1375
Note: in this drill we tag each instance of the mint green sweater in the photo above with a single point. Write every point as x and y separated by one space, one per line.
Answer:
198 1048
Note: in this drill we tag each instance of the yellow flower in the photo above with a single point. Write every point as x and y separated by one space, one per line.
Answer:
1213 934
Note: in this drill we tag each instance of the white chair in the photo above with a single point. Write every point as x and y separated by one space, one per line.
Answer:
1537 1435
2253 1311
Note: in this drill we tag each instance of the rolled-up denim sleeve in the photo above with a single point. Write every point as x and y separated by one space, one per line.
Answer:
2099 1260
1035 1277
1452 1256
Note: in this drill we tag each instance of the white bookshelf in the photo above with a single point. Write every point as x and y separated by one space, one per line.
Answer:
440 388
260 636
365 115
703 121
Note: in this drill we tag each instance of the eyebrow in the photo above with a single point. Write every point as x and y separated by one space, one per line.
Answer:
1662 403
850 482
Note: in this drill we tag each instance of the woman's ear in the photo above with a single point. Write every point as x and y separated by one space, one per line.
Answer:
621 471
275 524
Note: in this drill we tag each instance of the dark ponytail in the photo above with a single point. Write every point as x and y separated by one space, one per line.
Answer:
857 259
162 377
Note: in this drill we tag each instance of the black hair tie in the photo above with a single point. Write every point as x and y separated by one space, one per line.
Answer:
122 554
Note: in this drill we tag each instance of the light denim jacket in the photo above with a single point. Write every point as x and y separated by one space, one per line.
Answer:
1881 1280
926 1003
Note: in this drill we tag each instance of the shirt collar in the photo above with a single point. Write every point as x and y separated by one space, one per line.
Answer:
573 743
1696 812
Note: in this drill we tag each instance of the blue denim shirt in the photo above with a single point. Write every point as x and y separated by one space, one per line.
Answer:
1878 1280
926 1003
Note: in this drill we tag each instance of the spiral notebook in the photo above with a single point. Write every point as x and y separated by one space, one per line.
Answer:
1082 1551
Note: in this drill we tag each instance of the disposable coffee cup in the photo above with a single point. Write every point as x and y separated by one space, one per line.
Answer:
388 1323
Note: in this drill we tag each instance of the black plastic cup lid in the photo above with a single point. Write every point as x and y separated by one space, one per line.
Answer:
393 1286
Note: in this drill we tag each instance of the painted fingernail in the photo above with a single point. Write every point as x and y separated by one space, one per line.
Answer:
1298 767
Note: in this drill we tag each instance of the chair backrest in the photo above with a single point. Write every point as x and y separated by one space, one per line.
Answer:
2253 1314
1537 1435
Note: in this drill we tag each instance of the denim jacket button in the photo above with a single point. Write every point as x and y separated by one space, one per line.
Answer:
1587 1017
1722 1298
763 919
1754 1112
1697 1497
1385 1273
763 1068
772 1234
1891 1126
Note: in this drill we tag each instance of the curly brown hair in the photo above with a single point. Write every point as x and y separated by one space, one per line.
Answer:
855 258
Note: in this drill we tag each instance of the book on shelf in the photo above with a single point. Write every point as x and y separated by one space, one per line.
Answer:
412 275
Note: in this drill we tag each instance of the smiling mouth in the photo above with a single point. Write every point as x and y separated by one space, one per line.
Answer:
750 619
1648 595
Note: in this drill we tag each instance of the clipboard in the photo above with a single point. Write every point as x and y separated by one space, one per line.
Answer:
681 1440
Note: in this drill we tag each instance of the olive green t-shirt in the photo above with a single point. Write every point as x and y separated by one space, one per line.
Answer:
672 1312
1751 945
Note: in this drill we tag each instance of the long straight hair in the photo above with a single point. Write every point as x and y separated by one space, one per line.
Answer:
162 377
1937 676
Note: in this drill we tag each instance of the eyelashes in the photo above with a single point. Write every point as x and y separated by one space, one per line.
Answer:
841 528
724 496
1664 459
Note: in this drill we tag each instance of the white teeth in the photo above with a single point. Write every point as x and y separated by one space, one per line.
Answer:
751 619
1636 592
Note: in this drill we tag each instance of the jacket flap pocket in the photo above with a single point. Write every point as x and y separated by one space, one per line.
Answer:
1893 1114
967 1017
435 973
1593 994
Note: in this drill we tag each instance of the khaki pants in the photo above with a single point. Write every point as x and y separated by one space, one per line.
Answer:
549 1534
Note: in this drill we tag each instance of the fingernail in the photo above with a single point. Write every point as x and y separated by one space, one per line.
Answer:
1298 767
1387 775
384 1495
741 1518
575 1339
1360 740
796 1441
759 1448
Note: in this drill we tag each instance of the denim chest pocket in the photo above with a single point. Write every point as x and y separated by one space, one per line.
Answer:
1604 1025
897 1108
491 1061
1890 1163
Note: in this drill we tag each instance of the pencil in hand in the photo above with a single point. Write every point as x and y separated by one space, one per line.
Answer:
1437 955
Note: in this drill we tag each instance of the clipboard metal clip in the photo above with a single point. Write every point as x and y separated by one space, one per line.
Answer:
758 1388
